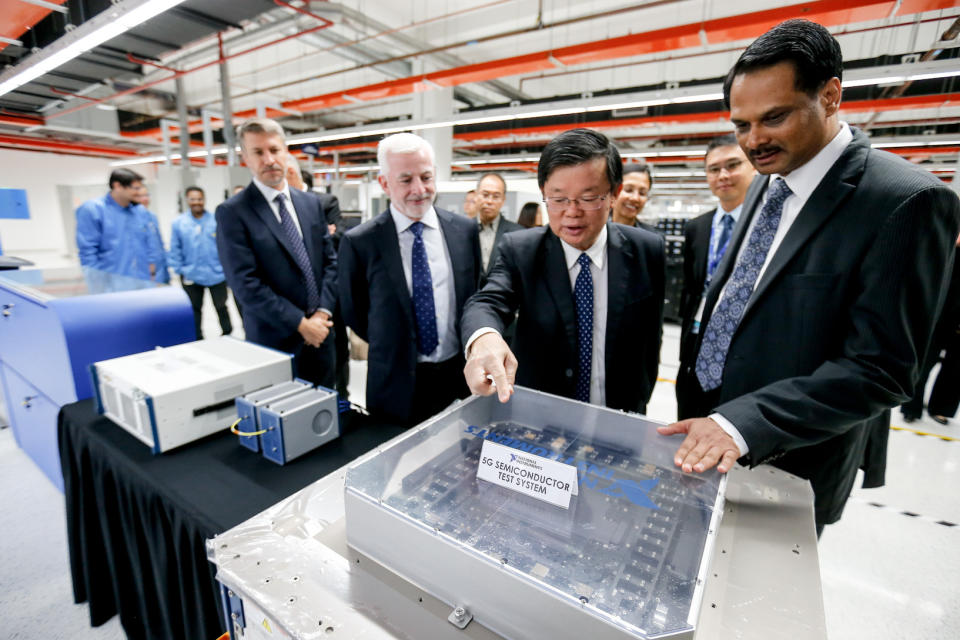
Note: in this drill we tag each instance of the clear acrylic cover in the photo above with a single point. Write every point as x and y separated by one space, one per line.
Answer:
631 549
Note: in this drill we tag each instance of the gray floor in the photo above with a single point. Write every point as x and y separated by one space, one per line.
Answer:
886 575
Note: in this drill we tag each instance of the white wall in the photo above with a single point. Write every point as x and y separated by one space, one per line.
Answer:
39 174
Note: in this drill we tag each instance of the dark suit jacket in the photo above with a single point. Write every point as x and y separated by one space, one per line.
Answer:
696 253
838 325
259 265
505 226
375 302
531 277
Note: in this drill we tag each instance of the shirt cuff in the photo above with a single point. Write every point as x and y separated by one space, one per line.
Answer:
473 338
732 431
326 311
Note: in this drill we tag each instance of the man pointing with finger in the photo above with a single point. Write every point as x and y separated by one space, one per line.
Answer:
822 308
589 292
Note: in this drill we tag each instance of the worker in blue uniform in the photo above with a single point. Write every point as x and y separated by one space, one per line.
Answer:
193 256
158 253
114 233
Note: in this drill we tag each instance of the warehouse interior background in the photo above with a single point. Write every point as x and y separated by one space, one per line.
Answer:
489 83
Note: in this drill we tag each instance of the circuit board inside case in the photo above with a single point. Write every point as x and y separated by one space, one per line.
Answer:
631 548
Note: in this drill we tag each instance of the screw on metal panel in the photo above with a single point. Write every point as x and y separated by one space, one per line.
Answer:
459 613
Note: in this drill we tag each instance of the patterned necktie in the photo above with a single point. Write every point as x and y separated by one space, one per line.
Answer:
583 296
423 308
299 253
726 317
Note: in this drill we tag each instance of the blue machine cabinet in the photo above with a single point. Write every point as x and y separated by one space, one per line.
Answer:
54 323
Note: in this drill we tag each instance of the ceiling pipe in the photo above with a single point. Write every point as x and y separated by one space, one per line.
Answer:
739 27
179 74
895 92
45 144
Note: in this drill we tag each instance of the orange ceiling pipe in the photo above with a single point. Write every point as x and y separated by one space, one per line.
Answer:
855 106
44 144
18 17
20 121
194 126
749 25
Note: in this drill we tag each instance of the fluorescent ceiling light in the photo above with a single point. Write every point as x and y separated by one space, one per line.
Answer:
115 20
705 97
931 76
870 81
914 143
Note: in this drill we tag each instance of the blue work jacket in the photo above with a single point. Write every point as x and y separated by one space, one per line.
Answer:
193 249
116 239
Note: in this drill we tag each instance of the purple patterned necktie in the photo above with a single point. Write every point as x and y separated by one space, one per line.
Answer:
299 253
583 297
726 317
424 310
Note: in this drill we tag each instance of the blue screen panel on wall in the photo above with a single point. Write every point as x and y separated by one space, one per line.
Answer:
13 204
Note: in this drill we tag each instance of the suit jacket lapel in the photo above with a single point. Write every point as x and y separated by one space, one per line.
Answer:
305 207
389 245
725 268
263 210
620 275
457 245
558 284
839 182
496 242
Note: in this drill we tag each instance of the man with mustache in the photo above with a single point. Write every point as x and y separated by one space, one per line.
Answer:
278 257
404 278
816 323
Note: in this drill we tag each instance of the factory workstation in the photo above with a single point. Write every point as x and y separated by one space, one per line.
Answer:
491 319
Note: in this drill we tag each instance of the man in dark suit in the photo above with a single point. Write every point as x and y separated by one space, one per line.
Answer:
818 317
404 278
705 241
490 195
278 257
589 292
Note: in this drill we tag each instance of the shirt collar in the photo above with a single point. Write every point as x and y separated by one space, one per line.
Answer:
270 193
403 223
596 253
718 216
804 179
493 225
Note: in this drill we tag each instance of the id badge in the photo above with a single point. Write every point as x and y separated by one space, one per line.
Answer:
695 327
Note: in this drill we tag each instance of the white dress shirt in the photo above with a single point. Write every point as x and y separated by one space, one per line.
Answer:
271 195
599 274
441 274
802 181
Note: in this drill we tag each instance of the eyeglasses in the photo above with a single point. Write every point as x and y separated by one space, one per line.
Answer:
733 165
584 203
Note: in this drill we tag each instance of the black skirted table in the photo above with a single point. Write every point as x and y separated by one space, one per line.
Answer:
137 523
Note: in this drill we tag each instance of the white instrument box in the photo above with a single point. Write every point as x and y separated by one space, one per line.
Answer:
174 395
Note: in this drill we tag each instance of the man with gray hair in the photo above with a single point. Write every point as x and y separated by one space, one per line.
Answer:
404 278
278 257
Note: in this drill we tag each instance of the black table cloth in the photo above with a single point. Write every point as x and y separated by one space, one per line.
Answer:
137 523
